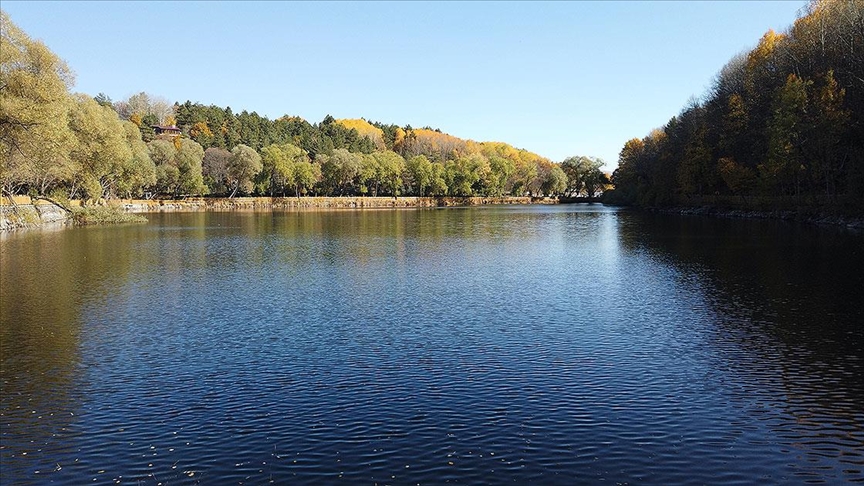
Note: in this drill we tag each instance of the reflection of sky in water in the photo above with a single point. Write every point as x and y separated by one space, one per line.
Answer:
545 344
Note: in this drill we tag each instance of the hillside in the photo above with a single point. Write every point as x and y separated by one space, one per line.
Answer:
782 127
66 145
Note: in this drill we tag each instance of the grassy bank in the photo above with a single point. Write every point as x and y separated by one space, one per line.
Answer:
20 212
90 215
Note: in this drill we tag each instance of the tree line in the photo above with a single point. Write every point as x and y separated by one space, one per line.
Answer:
55 143
781 122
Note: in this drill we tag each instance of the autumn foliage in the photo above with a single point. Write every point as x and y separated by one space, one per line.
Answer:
57 143
783 124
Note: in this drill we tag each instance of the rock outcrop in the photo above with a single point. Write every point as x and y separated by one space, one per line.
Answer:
23 212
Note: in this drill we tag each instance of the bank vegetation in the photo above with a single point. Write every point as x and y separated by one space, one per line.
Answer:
57 144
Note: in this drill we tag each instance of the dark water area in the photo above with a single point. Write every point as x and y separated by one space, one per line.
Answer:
538 344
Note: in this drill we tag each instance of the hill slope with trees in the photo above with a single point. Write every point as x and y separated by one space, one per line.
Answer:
781 128
54 143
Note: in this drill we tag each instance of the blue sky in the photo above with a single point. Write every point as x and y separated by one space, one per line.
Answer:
557 78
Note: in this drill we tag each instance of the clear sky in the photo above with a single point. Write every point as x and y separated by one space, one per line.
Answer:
557 78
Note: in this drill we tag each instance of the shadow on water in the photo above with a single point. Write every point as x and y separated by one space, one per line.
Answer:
48 278
800 284
789 311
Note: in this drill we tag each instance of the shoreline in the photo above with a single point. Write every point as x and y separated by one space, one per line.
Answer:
853 223
314 202
23 212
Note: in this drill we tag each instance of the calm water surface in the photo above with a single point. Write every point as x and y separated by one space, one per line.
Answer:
548 345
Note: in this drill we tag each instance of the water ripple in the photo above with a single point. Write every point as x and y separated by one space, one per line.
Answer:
545 345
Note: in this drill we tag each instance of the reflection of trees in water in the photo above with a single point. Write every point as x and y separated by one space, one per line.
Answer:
787 305
782 298
47 280
802 282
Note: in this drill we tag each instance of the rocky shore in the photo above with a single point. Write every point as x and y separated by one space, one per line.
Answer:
22 212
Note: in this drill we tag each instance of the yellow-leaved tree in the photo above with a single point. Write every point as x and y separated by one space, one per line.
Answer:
365 129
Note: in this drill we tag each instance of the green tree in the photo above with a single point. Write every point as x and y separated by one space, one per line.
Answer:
391 166
340 171
501 169
35 138
285 166
583 175
163 154
178 168
368 179
243 165
419 171
100 149
189 157
104 100
555 181
466 176
786 117
138 172
276 173
525 172
438 182
306 175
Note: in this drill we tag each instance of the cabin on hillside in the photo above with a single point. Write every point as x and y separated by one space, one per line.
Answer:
168 131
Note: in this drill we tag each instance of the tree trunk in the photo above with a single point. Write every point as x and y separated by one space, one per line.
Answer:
56 203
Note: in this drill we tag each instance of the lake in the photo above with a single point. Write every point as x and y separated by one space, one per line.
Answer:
525 344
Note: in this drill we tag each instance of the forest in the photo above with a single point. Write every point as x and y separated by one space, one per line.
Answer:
63 145
781 127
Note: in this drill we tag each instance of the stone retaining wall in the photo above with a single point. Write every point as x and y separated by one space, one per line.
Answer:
24 212
225 204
